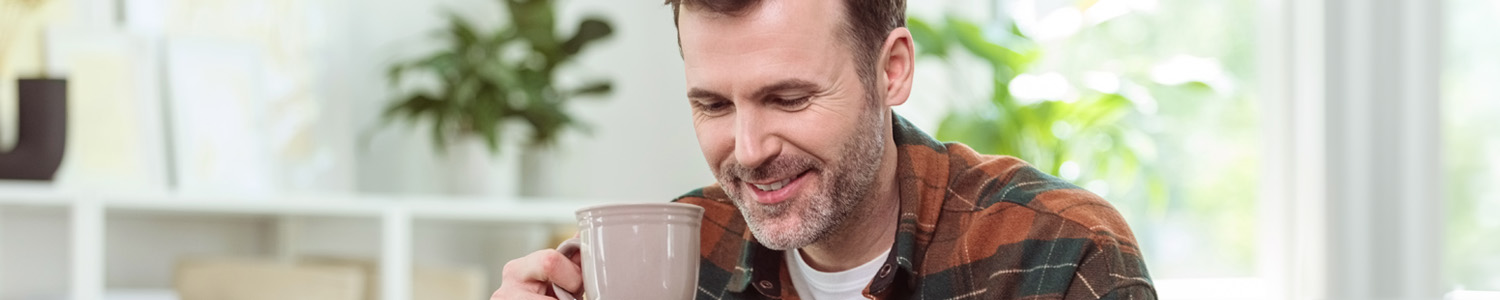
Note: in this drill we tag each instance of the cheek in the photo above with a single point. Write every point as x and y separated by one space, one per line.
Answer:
819 133
715 139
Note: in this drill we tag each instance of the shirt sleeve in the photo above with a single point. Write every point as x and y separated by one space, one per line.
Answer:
1111 269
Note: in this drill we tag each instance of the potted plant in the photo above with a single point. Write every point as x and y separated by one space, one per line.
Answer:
489 79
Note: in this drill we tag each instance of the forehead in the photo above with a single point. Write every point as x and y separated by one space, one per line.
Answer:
772 41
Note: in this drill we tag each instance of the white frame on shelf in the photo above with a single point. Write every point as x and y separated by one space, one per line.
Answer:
395 254
87 219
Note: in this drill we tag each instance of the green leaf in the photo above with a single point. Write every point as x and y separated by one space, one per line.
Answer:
413 107
1198 86
971 38
590 30
461 31
441 64
393 74
535 21
929 41
496 41
599 88
439 130
971 129
488 125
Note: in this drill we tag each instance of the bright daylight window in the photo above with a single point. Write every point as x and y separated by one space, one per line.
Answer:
1471 104
1150 103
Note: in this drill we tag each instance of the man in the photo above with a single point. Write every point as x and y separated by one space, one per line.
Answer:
824 193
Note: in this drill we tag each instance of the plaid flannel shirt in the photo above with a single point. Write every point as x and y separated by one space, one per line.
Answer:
971 226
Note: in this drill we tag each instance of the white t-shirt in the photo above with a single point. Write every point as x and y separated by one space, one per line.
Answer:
848 284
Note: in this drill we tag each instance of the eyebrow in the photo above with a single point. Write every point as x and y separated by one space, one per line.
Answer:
779 86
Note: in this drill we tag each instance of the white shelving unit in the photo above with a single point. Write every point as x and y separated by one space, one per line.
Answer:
87 214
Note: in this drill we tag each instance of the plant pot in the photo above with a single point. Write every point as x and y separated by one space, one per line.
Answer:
473 171
41 135
536 172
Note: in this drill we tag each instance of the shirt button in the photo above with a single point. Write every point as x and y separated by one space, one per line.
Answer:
765 284
885 270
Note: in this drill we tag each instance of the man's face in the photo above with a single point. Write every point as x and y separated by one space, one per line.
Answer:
781 116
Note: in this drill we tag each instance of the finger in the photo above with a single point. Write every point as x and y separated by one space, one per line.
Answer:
562 271
577 260
524 274
511 294
527 287
537 272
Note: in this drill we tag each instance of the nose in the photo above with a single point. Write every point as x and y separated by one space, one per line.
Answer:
753 142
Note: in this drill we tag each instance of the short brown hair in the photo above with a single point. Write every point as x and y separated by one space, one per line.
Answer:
866 24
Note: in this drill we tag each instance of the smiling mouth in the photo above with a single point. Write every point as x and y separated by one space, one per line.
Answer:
773 186
777 185
777 191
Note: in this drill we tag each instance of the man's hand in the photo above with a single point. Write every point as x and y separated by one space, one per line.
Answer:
532 277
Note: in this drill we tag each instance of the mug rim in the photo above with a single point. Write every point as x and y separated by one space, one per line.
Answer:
599 208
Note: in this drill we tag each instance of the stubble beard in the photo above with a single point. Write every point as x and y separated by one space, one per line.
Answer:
846 184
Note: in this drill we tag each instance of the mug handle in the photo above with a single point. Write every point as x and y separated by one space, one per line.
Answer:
568 248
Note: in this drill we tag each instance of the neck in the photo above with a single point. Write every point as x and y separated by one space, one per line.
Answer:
867 235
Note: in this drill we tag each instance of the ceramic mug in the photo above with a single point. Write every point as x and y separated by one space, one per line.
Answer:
636 251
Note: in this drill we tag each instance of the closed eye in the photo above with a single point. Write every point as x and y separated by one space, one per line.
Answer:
792 104
712 107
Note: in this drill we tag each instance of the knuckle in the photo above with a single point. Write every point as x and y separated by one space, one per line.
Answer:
520 268
509 270
549 261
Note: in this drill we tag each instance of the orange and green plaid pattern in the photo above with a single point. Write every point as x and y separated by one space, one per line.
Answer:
972 226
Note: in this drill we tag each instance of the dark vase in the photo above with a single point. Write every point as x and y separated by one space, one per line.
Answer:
42 135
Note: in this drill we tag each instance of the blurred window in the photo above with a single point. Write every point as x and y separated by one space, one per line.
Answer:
1471 106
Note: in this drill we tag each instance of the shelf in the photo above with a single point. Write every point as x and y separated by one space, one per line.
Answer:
394 216
536 210
140 294
31 193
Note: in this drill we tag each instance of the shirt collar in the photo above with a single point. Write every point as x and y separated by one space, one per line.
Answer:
922 175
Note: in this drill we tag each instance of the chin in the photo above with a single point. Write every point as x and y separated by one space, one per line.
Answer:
783 232
780 239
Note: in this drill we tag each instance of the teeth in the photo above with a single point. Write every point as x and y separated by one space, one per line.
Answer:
773 186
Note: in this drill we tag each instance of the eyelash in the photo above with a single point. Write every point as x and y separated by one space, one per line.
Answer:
712 108
793 102
717 107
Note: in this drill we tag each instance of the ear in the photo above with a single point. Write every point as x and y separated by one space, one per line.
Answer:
897 64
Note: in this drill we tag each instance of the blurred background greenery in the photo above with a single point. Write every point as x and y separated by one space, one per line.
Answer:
1154 105
1126 110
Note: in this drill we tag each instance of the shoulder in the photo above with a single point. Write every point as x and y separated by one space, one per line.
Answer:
1007 185
1020 225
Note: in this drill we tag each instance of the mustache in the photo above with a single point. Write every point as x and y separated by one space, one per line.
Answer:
780 166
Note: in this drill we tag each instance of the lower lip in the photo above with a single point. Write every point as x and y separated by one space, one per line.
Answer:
777 196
